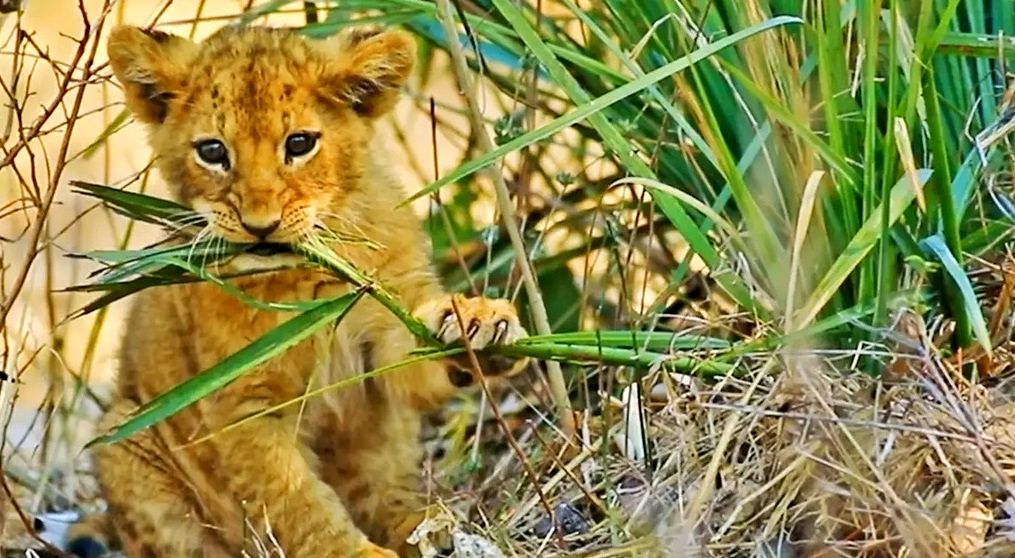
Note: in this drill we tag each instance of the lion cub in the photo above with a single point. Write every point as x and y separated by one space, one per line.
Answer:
268 134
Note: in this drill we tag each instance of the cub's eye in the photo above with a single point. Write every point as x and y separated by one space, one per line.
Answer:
299 144
213 152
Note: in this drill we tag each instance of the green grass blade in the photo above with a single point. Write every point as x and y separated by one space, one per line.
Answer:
327 258
979 45
650 340
936 245
136 206
596 105
619 144
599 354
232 367
859 246
114 126
669 107
122 264
615 357
117 291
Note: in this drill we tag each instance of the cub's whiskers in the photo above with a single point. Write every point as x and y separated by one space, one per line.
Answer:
204 232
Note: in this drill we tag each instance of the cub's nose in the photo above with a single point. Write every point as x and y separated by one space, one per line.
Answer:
261 230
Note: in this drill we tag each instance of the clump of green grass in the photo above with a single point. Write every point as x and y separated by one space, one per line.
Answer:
816 166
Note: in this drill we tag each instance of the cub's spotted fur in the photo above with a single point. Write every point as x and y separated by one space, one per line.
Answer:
268 134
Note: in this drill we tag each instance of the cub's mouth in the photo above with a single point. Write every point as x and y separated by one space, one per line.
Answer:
268 249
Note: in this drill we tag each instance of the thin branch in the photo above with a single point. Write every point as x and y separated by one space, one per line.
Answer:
39 225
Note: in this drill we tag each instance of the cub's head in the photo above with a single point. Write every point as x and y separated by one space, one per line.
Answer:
262 130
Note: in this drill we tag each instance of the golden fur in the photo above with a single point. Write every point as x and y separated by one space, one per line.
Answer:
339 477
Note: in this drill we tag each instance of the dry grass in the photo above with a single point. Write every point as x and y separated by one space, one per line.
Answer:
794 458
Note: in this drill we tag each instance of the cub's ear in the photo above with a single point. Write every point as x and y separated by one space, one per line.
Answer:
367 69
151 66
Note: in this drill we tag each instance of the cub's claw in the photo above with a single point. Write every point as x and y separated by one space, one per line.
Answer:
487 321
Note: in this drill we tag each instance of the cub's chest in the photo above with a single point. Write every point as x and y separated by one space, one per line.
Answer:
337 385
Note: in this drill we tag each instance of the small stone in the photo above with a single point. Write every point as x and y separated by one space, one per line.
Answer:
468 545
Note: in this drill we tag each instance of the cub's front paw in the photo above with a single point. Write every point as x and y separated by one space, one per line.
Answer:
487 322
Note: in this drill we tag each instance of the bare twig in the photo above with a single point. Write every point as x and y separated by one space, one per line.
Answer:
91 31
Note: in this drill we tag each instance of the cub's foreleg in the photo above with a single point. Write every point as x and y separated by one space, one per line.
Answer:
272 472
